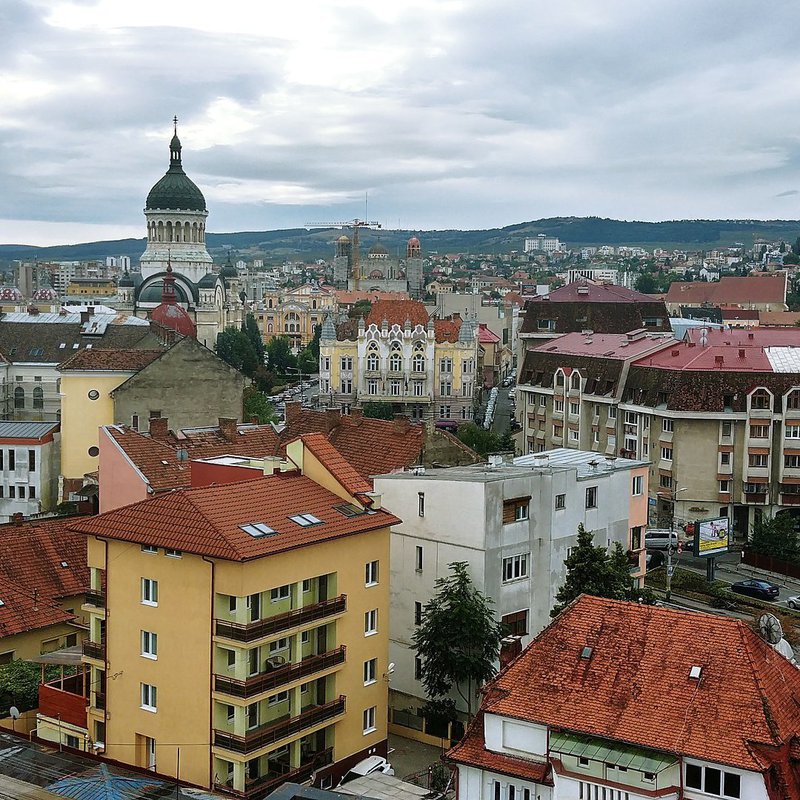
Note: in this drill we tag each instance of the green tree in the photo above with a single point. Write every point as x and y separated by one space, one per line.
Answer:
250 328
19 686
776 537
263 379
458 640
235 348
360 309
376 409
482 441
646 284
279 354
256 404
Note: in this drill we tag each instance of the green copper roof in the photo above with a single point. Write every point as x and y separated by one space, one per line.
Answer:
610 752
175 191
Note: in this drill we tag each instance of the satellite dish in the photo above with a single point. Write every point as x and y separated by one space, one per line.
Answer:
770 627
13 712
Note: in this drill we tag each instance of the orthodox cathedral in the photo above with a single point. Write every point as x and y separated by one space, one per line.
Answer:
176 269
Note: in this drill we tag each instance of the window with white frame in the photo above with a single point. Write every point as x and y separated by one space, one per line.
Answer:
713 781
792 432
369 719
278 645
612 412
371 622
560 502
591 497
148 696
542 400
637 485
757 460
279 593
725 486
515 567
574 409
371 573
149 592
373 360
372 386
574 436
395 358
346 363
370 671
346 386
395 387
446 365
666 454
558 405
445 388
149 644
418 387
667 425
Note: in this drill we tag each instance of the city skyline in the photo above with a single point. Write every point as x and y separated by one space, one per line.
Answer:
456 115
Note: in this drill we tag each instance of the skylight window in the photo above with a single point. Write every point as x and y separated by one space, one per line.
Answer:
305 520
64 564
586 653
349 510
694 672
62 345
75 346
2 603
257 530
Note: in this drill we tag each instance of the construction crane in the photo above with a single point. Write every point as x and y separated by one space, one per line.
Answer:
355 225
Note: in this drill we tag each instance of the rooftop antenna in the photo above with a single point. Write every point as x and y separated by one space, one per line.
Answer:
771 629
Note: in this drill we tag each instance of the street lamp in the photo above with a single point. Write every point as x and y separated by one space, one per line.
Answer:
668 593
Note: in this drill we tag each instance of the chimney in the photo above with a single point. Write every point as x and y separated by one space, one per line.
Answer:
510 648
159 427
293 409
254 420
333 418
719 360
17 518
84 317
356 416
741 352
401 423
228 428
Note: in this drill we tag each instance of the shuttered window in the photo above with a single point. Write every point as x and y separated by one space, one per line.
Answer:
515 510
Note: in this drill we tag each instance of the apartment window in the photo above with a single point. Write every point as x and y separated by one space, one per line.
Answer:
516 510
278 594
230 658
11 459
325 363
793 399
667 425
149 592
168 551
759 431
12 491
417 388
574 409
149 697
757 460
149 548
346 386
369 719
371 573
713 781
421 503
280 697
793 462
515 567
727 430
31 461
305 637
725 486
444 412
372 386
417 613
542 401
545 324
760 399
446 365
395 387
230 714
665 482
516 622
591 497
445 388
370 671
558 405
558 430
612 412
574 436
149 642
418 558
417 668
371 622
31 492
596 437
725 459
135 422
561 502
346 363
637 485
666 454
306 585
631 418
792 432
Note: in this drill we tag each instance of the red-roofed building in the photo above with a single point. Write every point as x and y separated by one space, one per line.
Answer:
246 624
757 292
619 700
426 368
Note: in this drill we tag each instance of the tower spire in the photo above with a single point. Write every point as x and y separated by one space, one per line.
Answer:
168 288
175 145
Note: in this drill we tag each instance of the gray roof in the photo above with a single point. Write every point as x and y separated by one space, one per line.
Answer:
587 462
26 430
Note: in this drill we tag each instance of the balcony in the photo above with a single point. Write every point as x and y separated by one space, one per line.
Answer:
64 699
94 650
263 786
252 631
96 598
274 732
278 677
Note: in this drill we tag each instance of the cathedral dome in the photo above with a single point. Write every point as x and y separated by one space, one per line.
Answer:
175 191
378 250
169 314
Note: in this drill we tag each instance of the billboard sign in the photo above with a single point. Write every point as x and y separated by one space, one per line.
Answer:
711 536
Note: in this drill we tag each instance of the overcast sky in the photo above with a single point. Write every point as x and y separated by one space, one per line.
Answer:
448 113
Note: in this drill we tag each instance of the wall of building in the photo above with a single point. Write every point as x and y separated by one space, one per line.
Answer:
122 483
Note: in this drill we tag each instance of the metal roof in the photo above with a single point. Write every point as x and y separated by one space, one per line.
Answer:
620 755
114 318
26 430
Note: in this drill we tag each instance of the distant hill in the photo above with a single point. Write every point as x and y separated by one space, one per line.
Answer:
575 231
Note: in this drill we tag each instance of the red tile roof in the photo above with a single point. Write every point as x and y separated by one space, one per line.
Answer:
22 611
635 687
396 312
588 292
485 336
111 360
156 460
730 291
206 521
447 329
332 460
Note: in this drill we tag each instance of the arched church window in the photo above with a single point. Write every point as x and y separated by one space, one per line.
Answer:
373 360
418 358
38 397
395 358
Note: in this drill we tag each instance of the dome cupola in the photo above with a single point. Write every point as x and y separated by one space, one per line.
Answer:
175 191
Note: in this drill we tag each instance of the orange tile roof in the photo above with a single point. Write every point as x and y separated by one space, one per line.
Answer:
22 611
111 360
206 520
156 460
396 312
730 290
635 687
332 460
446 330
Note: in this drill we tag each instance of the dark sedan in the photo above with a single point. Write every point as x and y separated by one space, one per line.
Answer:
763 590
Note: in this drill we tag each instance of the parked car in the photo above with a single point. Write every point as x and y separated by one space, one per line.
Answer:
654 559
367 766
794 601
763 590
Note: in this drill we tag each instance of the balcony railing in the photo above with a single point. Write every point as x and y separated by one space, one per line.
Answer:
269 734
94 649
262 787
96 597
251 631
280 676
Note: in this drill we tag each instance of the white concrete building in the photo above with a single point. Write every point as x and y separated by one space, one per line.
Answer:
514 524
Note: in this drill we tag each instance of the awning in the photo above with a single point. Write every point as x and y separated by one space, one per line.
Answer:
65 657
620 755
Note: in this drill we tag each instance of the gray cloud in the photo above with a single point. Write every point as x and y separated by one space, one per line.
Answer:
465 115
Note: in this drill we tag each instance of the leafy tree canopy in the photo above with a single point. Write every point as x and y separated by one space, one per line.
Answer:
279 355
458 640
257 405
360 309
776 537
235 348
378 410
482 441
250 328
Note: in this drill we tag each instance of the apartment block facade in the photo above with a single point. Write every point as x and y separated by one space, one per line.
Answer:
239 630
514 524
717 415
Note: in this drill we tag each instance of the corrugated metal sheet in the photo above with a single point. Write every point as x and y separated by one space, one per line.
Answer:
610 752
25 430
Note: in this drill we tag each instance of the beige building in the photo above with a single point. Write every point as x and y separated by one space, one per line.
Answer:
295 313
239 628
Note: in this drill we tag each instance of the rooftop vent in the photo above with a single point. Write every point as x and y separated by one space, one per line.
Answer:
495 461
586 653
64 564
583 289
751 335
694 672
741 352
182 453
676 353
719 360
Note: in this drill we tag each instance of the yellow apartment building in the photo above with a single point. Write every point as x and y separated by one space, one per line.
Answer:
239 631
295 313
